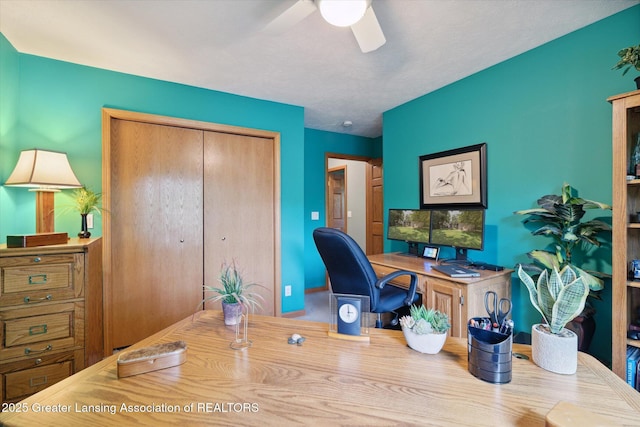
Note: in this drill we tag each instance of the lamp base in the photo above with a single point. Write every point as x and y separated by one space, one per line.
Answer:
41 239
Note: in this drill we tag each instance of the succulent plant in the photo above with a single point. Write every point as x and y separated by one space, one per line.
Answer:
425 321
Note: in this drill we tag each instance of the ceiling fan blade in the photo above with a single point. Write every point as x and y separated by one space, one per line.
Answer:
368 32
287 19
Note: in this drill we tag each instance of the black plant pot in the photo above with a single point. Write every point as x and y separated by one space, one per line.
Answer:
585 328
84 233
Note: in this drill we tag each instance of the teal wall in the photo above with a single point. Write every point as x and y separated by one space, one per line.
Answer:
9 68
316 145
545 119
57 105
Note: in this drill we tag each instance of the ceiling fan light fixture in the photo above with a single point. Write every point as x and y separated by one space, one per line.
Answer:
342 13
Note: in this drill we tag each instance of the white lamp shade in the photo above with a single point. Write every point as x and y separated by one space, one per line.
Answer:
342 13
43 169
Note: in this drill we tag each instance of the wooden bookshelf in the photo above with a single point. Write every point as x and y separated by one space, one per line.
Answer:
626 234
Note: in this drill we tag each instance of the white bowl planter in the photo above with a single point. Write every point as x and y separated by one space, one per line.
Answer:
426 343
554 352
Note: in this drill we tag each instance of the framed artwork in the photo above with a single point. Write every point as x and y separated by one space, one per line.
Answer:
454 179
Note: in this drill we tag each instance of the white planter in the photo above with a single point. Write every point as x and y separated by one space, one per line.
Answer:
427 343
554 352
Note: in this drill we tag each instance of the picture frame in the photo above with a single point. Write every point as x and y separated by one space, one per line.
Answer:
454 179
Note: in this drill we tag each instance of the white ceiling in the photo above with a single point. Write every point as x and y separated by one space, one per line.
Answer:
218 44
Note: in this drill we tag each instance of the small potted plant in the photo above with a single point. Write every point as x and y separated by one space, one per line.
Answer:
234 294
629 58
425 329
86 201
559 296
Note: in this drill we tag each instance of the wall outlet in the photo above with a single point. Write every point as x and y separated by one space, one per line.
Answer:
315 215
89 220
287 290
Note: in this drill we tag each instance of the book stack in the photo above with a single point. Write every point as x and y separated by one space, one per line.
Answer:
633 367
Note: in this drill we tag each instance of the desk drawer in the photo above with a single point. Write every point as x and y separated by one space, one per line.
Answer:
29 280
24 383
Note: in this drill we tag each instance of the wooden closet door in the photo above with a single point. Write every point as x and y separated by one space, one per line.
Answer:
156 227
239 218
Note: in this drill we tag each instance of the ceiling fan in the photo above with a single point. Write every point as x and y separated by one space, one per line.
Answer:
357 14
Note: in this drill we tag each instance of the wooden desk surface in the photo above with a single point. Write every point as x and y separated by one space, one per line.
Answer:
423 266
324 381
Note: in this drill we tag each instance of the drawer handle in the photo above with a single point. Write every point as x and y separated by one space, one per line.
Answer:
28 299
38 279
37 259
38 330
38 381
29 351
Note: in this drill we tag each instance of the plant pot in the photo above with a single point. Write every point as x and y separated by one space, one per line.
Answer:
554 352
84 231
637 80
426 343
585 328
232 313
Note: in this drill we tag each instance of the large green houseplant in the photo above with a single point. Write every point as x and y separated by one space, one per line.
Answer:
560 217
559 296
629 58
235 293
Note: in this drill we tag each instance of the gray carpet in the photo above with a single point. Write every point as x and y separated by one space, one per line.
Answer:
316 307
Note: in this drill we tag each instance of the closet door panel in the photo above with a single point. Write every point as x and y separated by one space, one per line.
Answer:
157 215
239 210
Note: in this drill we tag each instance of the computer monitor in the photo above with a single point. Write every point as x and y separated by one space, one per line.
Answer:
460 229
411 226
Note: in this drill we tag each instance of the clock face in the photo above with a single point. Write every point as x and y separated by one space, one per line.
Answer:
348 313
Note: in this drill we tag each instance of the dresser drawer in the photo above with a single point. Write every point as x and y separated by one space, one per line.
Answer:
24 383
39 330
29 280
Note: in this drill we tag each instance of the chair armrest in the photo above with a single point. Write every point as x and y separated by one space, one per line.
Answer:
412 285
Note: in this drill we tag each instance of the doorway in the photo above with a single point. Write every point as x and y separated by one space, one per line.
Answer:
336 198
354 198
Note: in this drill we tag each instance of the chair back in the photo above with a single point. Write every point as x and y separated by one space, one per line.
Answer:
349 269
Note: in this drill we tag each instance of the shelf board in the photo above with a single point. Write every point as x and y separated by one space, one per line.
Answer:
633 225
633 343
633 182
633 284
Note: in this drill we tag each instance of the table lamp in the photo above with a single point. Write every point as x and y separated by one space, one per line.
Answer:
44 172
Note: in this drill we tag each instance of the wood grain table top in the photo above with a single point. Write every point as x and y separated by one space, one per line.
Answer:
324 381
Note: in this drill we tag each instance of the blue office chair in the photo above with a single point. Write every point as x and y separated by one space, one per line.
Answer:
351 273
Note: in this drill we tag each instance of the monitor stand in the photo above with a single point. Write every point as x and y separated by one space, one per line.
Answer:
461 254
461 257
414 250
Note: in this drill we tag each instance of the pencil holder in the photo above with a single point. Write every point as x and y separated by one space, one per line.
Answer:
489 355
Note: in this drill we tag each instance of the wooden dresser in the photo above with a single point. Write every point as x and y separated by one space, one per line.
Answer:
50 314
460 298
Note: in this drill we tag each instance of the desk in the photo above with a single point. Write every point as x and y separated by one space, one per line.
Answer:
324 381
460 298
